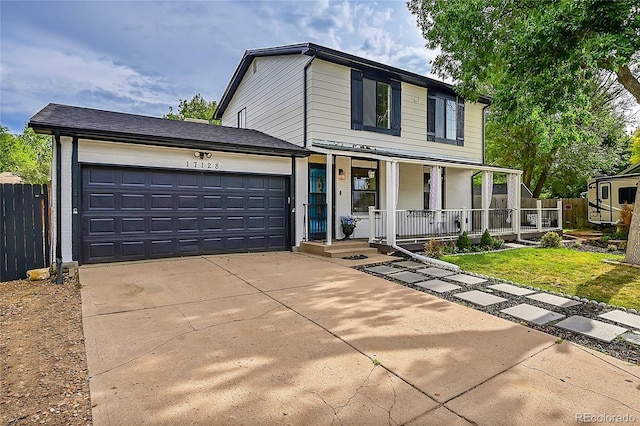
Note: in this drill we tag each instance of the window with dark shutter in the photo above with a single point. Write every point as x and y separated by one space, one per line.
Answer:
375 104
445 119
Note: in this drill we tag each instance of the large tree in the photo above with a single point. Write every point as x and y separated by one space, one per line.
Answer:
198 107
27 155
537 59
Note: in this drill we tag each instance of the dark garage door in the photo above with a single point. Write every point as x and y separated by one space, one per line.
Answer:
132 214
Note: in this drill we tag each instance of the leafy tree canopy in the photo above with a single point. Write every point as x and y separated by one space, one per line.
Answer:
27 155
197 107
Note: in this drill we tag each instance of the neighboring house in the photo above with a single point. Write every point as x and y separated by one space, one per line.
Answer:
396 149
309 134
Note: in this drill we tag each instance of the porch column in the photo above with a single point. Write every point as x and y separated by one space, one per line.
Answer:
513 204
329 197
435 195
518 200
391 201
487 189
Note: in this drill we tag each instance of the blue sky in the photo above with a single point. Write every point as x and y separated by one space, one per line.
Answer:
142 56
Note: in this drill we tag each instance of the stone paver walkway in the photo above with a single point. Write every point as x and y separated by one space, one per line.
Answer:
514 302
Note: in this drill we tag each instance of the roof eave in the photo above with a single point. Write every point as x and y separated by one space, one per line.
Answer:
164 141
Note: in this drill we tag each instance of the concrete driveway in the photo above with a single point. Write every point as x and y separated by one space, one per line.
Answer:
287 338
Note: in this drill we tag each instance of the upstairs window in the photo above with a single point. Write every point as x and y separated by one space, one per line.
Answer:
242 118
445 119
375 104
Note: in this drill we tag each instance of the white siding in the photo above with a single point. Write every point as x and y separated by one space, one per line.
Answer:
66 215
329 117
457 188
411 191
98 152
273 98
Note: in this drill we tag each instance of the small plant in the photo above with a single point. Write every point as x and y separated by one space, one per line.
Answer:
612 247
551 240
349 221
486 241
620 235
450 248
433 248
464 242
498 243
606 238
577 244
376 362
623 245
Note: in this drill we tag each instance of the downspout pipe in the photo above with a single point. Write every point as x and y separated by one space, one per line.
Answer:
304 100
58 209
428 260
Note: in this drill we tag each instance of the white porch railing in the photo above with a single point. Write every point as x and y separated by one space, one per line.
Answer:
417 225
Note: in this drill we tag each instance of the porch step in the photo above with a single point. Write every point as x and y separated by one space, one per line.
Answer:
338 248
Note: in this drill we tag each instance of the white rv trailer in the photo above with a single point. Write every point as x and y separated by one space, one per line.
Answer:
607 195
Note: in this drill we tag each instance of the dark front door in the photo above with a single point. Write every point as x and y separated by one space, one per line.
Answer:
317 201
130 213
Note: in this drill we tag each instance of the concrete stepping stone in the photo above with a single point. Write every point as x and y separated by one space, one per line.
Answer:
410 264
436 272
624 318
382 269
407 277
466 279
632 337
533 314
480 298
438 286
591 328
511 289
551 299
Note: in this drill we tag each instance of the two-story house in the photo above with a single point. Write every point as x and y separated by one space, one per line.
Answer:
395 149
309 134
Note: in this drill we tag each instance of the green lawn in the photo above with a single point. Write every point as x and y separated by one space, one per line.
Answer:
561 270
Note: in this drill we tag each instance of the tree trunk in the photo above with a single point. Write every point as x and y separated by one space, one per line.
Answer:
633 244
628 80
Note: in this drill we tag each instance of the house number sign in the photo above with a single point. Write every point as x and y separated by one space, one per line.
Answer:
203 165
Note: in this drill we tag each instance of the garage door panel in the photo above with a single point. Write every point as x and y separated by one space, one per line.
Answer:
133 201
161 202
137 214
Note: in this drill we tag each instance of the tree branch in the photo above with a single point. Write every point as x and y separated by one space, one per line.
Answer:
629 81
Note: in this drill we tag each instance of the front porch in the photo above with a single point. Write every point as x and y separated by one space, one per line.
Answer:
413 226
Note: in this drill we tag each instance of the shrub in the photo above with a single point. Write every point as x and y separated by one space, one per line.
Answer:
577 244
498 243
551 240
464 242
486 241
433 248
621 235
612 247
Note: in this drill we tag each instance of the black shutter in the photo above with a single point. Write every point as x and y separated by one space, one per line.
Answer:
431 118
396 101
460 124
356 100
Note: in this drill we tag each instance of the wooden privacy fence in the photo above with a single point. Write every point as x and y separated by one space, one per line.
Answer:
574 213
24 229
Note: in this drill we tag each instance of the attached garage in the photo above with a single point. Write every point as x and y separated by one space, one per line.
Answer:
130 187
130 214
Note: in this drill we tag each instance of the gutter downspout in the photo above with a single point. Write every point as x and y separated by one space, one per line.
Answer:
304 101
484 110
58 209
429 260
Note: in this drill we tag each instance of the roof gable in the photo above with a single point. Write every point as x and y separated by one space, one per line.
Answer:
122 127
331 55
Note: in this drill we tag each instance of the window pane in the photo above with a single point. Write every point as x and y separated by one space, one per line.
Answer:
605 192
362 181
362 200
369 102
427 190
451 119
440 118
384 105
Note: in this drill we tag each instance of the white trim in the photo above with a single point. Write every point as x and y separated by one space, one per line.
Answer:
66 215
426 162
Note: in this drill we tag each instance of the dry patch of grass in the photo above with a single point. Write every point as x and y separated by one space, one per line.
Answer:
562 270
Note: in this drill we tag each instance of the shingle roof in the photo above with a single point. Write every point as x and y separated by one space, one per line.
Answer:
122 127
